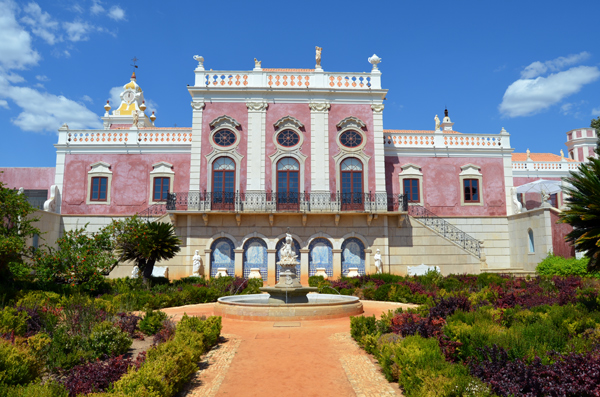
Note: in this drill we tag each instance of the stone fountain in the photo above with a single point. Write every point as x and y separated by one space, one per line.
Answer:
288 289
288 299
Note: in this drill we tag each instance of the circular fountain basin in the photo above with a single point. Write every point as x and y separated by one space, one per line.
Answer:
256 307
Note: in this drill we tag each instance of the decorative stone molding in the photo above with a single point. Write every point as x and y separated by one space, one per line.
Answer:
351 122
378 107
288 122
50 204
412 171
297 155
319 106
220 152
224 122
257 106
471 171
198 105
360 155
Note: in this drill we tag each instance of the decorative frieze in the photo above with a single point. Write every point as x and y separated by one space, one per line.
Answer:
257 106
319 106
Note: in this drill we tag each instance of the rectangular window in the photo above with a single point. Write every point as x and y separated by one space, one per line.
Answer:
161 189
411 190
554 200
99 185
471 190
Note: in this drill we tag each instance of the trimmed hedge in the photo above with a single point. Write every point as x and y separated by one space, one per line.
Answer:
554 265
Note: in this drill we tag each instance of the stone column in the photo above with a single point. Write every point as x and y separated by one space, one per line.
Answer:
319 146
379 155
207 264
196 150
304 257
368 269
337 263
271 266
257 114
239 262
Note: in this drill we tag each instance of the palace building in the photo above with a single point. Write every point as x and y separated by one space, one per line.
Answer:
306 150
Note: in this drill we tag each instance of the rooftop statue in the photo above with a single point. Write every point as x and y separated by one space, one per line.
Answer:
257 63
318 56
437 122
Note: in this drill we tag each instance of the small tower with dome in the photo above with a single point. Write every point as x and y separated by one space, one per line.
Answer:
131 113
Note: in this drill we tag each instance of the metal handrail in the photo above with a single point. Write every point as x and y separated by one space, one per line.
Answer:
447 230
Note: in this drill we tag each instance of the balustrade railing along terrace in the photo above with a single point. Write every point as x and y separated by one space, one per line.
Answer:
444 228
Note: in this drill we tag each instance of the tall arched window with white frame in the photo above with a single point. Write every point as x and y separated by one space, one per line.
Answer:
223 180
352 197
288 187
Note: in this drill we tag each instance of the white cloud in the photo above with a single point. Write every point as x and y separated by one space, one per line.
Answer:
538 68
42 77
596 111
116 13
41 23
566 108
15 42
525 97
115 96
77 30
13 77
97 8
87 98
3 104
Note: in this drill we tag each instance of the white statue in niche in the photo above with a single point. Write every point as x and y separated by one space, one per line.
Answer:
378 262
135 273
437 122
516 202
196 263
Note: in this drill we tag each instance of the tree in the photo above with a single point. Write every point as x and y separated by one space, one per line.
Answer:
583 211
16 227
145 243
81 259
595 123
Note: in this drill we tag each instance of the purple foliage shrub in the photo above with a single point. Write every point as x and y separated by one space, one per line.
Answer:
167 332
128 323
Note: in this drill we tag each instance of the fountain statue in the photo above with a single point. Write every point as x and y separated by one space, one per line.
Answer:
288 289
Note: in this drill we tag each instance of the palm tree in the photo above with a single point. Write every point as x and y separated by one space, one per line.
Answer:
584 211
154 241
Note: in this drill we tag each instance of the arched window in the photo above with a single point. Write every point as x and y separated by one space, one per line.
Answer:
222 255
351 173
278 247
255 255
321 255
353 255
288 175
223 184
531 241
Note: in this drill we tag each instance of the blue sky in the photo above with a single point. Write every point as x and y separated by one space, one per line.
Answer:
532 67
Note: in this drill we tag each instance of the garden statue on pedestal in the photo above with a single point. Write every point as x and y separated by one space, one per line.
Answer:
196 263
378 262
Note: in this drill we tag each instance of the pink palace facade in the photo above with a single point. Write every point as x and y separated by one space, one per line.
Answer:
305 149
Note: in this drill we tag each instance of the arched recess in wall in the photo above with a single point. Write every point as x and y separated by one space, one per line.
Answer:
531 241
224 139
222 255
320 255
353 255
255 256
351 140
278 247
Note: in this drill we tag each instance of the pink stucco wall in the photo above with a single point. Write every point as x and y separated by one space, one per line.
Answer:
559 232
532 200
275 112
336 114
237 111
28 177
130 190
441 184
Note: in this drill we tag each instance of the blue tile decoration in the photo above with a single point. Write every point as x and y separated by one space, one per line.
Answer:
296 250
255 255
321 255
353 255
222 255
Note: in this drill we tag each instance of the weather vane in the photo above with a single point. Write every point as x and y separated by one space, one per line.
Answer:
135 59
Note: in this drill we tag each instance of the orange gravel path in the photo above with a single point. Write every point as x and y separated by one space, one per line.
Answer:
307 358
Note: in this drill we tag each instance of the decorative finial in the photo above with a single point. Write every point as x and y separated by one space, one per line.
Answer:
374 60
143 106
318 57
200 60
257 64
134 59
107 106
153 117
446 112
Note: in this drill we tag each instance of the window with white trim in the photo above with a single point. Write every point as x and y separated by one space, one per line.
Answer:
162 178
99 183
471 185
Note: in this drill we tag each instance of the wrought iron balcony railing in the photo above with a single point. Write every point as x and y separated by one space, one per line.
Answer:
280 202
444 228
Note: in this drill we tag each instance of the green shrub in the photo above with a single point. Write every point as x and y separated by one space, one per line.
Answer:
554 265
314 281
18 365
383 292
361 325
210 328
12 320
151 323
487 279
67 350
37 389
108 340
32 299
588 298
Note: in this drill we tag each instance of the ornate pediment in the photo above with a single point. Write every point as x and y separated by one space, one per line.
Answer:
351 122
224 122
288 122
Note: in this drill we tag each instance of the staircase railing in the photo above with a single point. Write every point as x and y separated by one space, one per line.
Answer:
444 228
